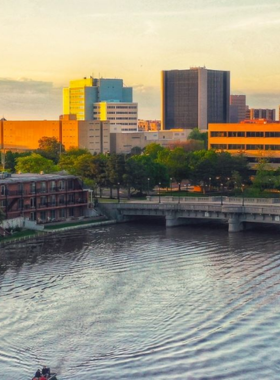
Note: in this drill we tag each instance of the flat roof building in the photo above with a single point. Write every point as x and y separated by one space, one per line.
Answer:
253 138
101 99
93 135
193 98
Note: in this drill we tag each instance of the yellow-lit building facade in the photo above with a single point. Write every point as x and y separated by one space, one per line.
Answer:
260 139
93 135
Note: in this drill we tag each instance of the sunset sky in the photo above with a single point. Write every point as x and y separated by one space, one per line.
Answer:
45 44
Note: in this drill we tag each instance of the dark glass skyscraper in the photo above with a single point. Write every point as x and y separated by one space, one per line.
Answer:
193 98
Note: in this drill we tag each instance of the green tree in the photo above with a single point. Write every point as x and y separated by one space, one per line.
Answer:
115 170
197 135
92 168
35 163
2 215
10 159
203 167
143 173
176 163
264 175
50 148
68 159
153 150
135 151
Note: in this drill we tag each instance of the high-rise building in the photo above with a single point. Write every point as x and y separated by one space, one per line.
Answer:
102 99
237 108
261 113
193 98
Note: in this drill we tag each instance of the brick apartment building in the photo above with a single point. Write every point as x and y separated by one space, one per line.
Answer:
42 197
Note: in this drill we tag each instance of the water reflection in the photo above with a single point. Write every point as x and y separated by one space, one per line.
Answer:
137 301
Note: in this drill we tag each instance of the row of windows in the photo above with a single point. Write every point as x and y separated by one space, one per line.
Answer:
245 147
122 118
122 107
122 113
245 134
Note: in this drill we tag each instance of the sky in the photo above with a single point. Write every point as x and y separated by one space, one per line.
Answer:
47 43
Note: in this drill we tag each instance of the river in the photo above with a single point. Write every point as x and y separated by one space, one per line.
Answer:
134 301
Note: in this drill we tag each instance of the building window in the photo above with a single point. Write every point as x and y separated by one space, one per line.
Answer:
32 187
43 215
272 147
3 190
236 147
43 187
218 146
218 134
254 147
254 134
62 213
272 134
236 134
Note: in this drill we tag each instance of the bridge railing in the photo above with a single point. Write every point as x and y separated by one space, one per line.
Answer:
214 199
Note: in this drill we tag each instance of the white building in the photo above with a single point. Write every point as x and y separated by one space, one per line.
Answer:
123 117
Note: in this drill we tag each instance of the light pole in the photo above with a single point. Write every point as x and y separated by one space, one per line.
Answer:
118 192
179 188
148 186
209 183
171 185
242 187
159 192
222 194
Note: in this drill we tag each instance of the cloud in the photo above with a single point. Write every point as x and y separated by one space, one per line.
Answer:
148 99
25 98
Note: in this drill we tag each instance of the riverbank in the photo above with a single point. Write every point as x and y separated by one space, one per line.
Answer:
53 229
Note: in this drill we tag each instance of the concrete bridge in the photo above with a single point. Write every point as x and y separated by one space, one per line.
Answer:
238 213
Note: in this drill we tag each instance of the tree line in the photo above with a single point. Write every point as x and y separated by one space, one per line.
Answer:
139 171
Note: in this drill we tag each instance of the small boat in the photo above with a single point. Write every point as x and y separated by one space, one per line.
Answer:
52 376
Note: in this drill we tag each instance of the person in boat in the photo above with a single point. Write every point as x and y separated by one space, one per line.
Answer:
38 373
46 371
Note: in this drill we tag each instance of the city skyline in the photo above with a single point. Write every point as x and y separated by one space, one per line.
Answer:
47 44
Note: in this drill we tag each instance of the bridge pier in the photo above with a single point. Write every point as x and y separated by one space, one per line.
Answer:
171 221
234 225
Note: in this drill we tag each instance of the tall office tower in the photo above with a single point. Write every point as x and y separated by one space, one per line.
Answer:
193 98
261 113
237 108
102 99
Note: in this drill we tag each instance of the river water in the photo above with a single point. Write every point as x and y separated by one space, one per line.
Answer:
142 302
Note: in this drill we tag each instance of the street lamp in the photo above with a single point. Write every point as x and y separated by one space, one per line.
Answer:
118 192
148 186
179 188
222 194
171 185
242 187
209 183
159 192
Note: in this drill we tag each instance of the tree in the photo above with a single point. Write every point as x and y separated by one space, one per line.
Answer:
35 163
50 148
135 151
92 168
143 173
197 135
153 150
10 159
68 159
2 215
115 170
176 163
203 167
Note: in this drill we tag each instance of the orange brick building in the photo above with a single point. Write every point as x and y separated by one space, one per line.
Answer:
93 135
